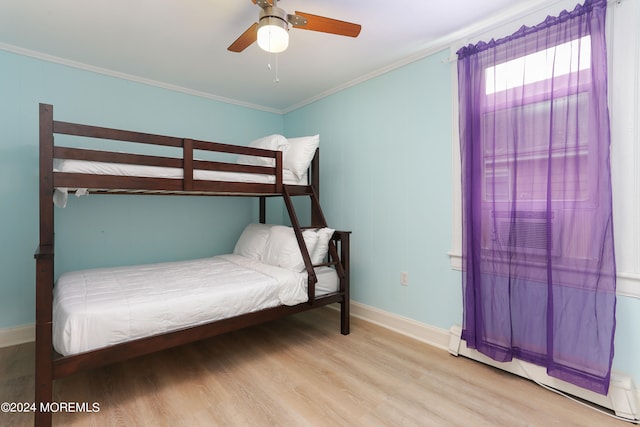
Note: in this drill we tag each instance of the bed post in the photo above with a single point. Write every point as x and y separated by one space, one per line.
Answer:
315 184
187 164
44 272
263 210
315 172
345 284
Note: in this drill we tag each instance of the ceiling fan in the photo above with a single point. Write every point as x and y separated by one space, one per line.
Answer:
272 29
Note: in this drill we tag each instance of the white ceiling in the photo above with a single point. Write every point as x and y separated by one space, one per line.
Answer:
183 43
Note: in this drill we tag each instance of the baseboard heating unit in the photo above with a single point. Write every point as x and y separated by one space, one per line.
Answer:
621 399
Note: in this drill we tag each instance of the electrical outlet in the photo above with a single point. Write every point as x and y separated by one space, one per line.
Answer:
404 278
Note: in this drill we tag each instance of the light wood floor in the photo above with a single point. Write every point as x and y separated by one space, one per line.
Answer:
297 371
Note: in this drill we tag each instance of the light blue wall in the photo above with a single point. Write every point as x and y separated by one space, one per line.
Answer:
91 232
386 175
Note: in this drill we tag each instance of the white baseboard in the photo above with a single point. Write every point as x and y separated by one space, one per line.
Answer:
17 335
437 337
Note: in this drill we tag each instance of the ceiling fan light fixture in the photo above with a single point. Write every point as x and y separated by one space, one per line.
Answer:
273 30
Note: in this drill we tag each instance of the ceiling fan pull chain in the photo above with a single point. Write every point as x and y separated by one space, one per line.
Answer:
277 78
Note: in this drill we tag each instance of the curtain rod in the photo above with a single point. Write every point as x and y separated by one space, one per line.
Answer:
454 57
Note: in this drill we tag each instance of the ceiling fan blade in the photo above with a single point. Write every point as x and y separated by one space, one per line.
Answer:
245 39
328 25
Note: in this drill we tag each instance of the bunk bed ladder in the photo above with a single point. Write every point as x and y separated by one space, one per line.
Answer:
317 221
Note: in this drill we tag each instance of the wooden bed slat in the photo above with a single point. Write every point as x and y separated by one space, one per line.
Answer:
219 187
232 149
77 129
115 157
233 167
72 180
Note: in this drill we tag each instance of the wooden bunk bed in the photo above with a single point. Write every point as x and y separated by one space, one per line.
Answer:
51 365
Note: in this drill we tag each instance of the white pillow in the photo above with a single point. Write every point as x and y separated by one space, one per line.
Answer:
299 153
272 142
252 241
322 247
282 248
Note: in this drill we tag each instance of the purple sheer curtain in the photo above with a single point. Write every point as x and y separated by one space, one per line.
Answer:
538 254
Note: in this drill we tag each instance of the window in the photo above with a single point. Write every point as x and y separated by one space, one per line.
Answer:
538 151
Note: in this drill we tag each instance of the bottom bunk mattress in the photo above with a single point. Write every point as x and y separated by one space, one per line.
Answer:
101 307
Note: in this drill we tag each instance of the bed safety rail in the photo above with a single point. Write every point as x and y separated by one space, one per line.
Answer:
186 162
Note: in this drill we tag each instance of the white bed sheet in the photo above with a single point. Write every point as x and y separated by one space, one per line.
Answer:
120 169
101 307
328 280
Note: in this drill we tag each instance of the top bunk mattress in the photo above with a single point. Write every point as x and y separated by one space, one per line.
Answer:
101 307
121 169
131 170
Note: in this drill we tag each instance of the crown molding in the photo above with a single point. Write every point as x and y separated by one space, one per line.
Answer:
124 76
438 45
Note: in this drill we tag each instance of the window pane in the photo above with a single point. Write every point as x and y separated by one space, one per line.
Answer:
518 156
539 66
